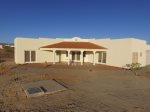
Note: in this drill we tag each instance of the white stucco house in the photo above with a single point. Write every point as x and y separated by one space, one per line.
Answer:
114 52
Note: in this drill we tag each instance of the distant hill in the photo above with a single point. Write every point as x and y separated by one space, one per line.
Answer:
7 52
1 43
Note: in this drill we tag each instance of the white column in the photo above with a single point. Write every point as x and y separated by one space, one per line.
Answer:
94 57
81 57
68 51
54 56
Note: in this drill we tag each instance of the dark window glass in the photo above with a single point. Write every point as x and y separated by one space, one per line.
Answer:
57 52
104 57
27 56
73 55
33 56
100 57
78 55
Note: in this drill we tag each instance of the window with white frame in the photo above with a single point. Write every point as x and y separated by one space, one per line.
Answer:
30 56
27 56
102 57
33 56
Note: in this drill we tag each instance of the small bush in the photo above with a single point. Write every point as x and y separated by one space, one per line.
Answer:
134 67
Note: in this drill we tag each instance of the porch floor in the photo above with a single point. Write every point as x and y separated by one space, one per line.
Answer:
88 66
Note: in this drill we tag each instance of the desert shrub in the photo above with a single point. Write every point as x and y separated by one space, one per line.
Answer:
7 52
3 69
134 67
8 48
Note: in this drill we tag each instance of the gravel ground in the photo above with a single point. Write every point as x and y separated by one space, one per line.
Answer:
88 90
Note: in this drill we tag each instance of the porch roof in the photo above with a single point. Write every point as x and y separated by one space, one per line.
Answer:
75 45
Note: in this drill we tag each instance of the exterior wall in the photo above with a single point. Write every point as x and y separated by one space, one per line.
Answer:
89 57
119 51
147 54
22 44
44 56
139 46
63 56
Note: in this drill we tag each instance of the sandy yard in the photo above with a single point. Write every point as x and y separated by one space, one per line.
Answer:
89 90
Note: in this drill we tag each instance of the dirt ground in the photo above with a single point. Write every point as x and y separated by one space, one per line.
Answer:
89 90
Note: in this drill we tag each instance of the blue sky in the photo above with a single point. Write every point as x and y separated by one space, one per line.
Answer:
70 18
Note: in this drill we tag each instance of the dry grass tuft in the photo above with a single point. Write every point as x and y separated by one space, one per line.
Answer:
3 69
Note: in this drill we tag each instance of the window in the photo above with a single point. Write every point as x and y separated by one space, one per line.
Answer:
27 56
78 55
30 56
58 52
102 57
33 57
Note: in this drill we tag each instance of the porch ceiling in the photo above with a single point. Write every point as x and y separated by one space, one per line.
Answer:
74 45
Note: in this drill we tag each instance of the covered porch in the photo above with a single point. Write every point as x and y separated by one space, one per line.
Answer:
73 53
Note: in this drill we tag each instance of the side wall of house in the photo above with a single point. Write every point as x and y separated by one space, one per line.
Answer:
139 47
118 51
30 44
148 55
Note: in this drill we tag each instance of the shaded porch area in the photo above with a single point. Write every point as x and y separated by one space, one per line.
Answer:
73 53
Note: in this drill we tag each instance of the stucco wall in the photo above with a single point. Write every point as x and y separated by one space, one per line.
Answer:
119 51
22 44
140 47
